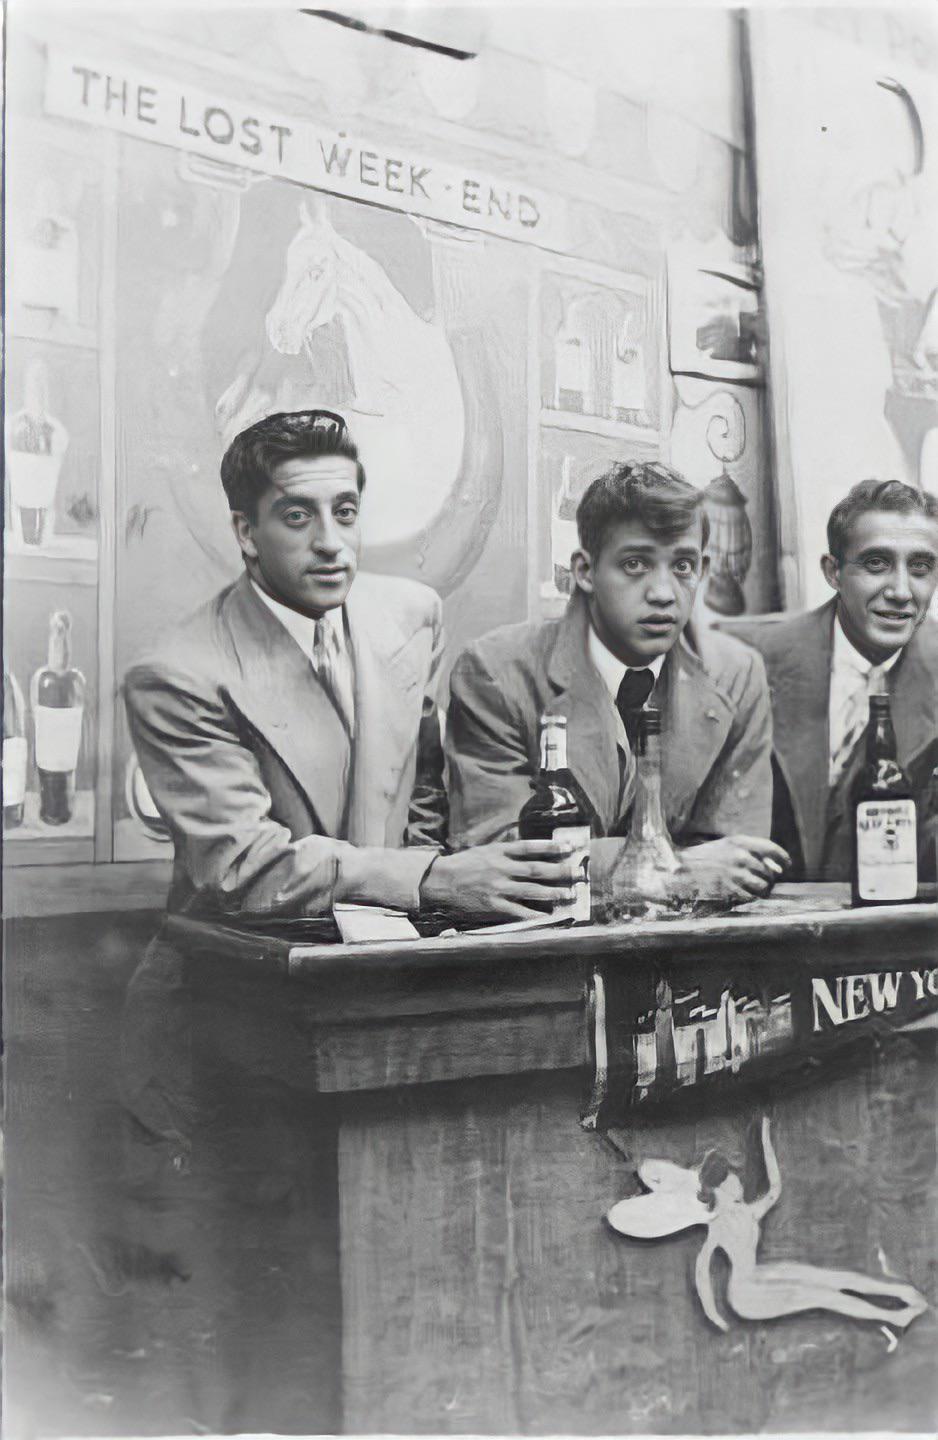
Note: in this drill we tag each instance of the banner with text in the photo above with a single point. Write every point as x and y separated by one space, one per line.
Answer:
152 107
658 1033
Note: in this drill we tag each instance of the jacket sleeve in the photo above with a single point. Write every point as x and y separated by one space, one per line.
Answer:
489 768
736 798
429 807
207 784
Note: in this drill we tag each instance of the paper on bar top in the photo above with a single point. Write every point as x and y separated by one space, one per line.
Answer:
372 922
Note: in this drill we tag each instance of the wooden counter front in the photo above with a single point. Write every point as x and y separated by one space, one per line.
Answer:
481 1289
410 1012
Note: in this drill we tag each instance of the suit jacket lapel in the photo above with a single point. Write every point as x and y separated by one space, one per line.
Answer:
800 679
913 685
695 721
283 702
388 703
581 696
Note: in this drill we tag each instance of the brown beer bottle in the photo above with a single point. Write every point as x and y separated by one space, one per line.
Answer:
554 813
885 842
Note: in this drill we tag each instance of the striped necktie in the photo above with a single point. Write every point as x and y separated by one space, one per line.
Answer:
325 663
856 717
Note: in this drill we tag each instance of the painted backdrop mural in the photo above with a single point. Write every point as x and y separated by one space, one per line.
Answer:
848 154
261 296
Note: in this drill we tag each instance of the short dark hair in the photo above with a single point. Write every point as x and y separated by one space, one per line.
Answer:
248 465
892 495
650 492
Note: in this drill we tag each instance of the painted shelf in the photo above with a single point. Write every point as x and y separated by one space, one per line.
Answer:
33 322
61 559
78 886
35 843
599 425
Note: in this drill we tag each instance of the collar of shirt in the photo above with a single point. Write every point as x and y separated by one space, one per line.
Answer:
303 627
848 663
611 668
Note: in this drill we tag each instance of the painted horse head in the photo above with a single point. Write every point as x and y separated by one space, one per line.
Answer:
309 292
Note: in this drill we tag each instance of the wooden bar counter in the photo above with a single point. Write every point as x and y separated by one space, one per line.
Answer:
481 1289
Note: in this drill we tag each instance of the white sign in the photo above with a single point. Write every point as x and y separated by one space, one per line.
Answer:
151 107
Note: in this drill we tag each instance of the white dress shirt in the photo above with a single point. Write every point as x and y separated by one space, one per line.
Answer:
303 630
853 680
611 668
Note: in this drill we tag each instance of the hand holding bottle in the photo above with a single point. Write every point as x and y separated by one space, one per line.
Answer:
520 880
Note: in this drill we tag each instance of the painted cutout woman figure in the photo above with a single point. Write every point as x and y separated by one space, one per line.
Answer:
679 1198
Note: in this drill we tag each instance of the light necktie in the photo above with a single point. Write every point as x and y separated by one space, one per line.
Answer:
856 717
634 690
325 663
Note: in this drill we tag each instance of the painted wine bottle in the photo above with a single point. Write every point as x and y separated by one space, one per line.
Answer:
885 843
554 813
36 444
14 752
58 701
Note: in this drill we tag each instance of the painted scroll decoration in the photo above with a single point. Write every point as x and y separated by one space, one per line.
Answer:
730 542
712 1195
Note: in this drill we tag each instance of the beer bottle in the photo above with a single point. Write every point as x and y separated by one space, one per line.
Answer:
885 842
648 876
554 813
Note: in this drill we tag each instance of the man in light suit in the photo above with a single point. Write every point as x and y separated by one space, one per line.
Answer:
625 636
875 635
289 735
288 732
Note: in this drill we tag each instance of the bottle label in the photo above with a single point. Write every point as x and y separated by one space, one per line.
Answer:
581 908
58 737
14 770
553 745
887 866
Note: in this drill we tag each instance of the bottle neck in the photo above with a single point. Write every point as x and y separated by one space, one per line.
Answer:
880 737
60 646
553 748
648 816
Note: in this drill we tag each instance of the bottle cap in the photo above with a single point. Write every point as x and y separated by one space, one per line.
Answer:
880 704
553 719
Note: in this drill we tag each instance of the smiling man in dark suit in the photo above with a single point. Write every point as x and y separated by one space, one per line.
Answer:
874 636
625 636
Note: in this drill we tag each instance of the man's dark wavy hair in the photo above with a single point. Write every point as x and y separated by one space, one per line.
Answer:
891 495
652 493
248 465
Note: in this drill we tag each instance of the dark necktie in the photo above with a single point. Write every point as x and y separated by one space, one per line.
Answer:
635 689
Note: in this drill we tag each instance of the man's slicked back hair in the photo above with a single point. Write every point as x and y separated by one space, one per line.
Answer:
651 493
890 495
248 465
